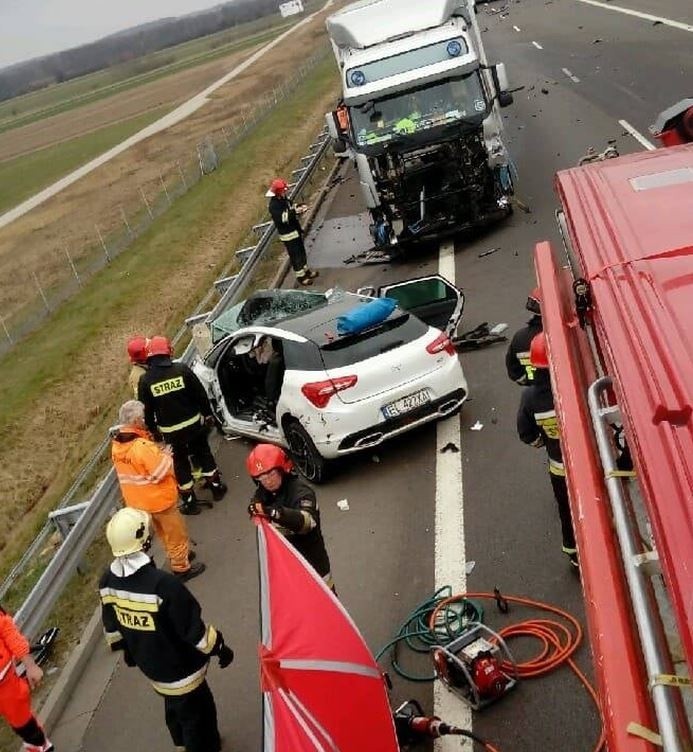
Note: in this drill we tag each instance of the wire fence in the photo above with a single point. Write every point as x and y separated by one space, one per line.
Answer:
71 267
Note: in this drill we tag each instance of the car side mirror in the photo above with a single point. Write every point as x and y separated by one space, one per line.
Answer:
332 125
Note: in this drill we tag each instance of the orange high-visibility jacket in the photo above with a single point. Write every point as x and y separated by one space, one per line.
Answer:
13 644
144 470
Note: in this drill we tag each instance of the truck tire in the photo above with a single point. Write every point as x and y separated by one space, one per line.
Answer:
309 462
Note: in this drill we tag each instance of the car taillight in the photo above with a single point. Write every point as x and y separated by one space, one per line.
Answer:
441 343
319 392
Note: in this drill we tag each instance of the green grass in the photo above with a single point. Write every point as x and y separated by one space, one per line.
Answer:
26 175
53 100
46 357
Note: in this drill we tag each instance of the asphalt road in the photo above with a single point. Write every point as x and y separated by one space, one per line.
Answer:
383 549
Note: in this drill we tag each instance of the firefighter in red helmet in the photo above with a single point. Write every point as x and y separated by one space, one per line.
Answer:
284 216
537 425
137 353
517 362
176 407
290 503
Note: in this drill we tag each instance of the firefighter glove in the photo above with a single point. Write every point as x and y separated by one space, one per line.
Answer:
258 509
222 651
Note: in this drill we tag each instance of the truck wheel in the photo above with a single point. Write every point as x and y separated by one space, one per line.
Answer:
310 463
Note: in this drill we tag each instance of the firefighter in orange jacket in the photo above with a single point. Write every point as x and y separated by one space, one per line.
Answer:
147 482
15 694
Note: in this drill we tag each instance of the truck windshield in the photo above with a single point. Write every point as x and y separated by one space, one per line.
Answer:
453 100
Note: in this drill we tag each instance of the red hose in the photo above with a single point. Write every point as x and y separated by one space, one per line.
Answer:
558 643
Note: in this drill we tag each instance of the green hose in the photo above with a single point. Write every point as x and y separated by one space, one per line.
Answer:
420 638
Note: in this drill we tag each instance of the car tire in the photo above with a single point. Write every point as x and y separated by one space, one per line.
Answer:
309 462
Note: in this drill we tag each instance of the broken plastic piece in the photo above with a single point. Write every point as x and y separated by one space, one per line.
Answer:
450 447
343 504
477 426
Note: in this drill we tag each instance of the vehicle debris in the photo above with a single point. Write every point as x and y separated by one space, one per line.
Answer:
450 447
489 252
477 426
343 504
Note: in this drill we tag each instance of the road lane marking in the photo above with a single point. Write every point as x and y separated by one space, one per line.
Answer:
573 78
637 135
537 45
640 14
450 555
517 28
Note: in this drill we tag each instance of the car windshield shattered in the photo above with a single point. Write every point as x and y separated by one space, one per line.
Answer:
265 307
459 99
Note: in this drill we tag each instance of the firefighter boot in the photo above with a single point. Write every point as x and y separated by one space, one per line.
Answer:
188 503
217 486
196 568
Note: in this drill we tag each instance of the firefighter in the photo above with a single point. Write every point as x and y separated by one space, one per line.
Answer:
517 363
137 352
154 619
285 219
290 503
177 408
147 482
537 426
15 690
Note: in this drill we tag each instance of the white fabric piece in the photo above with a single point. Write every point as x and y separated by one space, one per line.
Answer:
124 566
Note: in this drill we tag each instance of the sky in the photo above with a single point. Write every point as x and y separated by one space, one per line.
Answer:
29 28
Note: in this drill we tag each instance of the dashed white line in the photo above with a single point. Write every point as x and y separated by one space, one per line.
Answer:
637 135
450 554
537 45
573 78
640 14
517 28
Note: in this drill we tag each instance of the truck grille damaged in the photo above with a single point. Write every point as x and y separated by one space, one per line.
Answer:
443 185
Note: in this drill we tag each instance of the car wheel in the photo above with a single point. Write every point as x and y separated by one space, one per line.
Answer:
311 464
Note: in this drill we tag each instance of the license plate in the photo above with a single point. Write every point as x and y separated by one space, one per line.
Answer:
406 404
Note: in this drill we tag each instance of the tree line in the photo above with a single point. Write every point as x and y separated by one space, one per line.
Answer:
128 45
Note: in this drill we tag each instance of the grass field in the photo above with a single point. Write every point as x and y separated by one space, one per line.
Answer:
24 176
63 383
64 97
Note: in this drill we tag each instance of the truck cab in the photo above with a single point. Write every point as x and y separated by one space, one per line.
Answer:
419 116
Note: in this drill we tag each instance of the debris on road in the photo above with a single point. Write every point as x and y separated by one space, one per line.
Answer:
450 447
477 426
375 458
469 567
488 253
343 504
544 91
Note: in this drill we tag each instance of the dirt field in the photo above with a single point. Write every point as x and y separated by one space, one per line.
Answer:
36 242
170 90
42 445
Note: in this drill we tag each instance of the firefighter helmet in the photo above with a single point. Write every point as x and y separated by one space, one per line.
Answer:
278 187
533 304
538 356
128 531
159 346
266 457
137 349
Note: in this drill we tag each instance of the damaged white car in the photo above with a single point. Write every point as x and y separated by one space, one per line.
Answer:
284 370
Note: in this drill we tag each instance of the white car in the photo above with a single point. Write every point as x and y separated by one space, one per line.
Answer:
323 395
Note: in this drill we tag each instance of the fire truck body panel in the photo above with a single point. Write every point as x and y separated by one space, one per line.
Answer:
630 223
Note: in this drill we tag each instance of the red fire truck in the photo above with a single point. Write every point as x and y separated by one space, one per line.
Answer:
618 316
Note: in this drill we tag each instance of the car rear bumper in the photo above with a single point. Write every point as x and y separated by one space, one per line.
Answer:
387 429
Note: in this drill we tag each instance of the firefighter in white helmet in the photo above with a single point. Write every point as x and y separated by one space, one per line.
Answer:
153 618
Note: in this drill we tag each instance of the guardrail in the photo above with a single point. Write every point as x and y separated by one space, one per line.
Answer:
85 521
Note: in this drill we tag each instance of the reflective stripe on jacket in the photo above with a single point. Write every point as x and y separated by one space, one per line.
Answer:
284 217
144 470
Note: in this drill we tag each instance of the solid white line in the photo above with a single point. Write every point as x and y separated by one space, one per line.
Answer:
450 555
573 78
173 117
640 14
537 45
517 28
637 135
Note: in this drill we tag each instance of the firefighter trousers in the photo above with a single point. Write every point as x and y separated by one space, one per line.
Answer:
191 443
192 720
297 255
560 491
170 527
15 708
